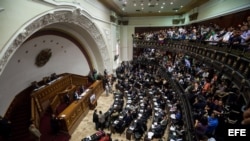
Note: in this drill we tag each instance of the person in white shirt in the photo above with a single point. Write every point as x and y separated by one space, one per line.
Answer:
107 89
35 132
76 96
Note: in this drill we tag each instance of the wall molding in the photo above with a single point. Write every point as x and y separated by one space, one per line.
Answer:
74 16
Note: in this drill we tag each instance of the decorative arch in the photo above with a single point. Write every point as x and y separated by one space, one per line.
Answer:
72 16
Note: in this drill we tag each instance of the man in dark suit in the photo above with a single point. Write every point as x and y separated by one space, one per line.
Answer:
95 119
81 89
54 124
67 98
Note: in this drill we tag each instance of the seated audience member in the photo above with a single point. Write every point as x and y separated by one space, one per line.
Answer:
139 129
35 85
235 39
114 115
158 131
227 35
199 103
245 36
206 87
201 127
164 121
76 95
67 98
81 89
53 76
46 80
127 118
219 107
212 124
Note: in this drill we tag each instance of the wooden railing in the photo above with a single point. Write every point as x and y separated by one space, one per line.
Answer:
44 95
232 63
51 95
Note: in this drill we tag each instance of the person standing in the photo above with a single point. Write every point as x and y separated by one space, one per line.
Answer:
107 89
101 120
35 132
95 119
54 124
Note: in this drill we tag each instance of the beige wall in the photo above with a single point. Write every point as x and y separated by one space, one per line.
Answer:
19 21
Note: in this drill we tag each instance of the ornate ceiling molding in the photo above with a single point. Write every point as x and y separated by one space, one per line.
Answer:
72 16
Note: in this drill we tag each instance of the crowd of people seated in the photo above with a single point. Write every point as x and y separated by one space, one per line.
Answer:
46 80
144 103
143 93
216 102
237 37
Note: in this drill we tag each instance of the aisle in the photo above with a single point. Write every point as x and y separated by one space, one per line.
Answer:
86 127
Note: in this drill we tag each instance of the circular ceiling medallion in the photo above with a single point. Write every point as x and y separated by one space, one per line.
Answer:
43 57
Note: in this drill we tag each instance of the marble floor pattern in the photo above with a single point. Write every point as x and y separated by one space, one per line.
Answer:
86 126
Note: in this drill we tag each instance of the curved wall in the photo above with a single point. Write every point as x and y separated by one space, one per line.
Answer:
87 51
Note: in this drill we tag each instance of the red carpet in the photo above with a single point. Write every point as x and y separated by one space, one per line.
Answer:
45 128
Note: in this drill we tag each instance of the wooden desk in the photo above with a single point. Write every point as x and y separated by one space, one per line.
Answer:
73 114
97 88
93 105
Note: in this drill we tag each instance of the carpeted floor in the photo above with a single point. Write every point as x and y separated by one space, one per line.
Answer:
47 132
